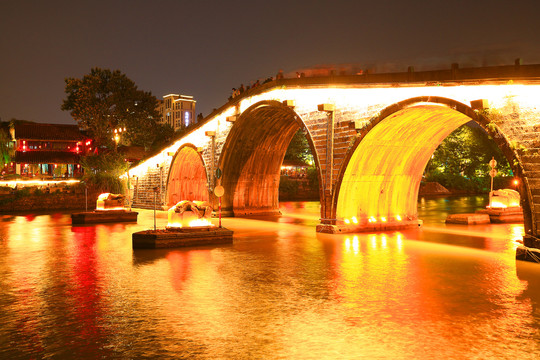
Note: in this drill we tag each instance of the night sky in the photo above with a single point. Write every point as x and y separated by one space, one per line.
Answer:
205 48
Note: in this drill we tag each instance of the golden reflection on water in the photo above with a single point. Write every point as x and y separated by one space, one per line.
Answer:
281 291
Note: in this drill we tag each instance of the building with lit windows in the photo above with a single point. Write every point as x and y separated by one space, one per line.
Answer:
177 110
47 150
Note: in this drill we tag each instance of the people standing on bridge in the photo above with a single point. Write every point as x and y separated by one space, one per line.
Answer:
279 74
241 89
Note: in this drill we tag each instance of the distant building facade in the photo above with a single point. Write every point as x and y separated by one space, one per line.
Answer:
177 110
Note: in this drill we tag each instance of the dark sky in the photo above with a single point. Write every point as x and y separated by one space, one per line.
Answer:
204 48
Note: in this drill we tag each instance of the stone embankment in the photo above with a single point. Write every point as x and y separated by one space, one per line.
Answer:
432 188
29 200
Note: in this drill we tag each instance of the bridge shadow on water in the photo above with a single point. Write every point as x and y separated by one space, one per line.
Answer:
143 257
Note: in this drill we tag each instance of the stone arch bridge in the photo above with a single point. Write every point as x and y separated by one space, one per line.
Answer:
371 136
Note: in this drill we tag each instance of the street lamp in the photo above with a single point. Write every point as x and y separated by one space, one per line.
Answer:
116 137
492 174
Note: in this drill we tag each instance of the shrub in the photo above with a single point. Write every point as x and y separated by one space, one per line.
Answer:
313 178
479 184
288 186
24 192
102 172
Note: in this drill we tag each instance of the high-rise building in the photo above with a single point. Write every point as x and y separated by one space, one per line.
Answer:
177 110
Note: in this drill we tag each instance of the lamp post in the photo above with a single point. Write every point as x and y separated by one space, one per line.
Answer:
492 174
116 137
156 189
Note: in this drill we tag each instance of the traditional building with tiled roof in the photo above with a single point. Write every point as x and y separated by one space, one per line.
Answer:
47 150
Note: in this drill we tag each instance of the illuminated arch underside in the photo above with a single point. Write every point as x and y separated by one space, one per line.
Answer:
187 178
384 173
254 153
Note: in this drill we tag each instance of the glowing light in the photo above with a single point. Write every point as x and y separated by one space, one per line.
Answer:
398 217
355 244
103 196
497 204
197 139
101 208
504 198
400 177
347 221
517 233
373 239
383 219
200 222
189 214
108 202
372 219
399 241
354 220
13 183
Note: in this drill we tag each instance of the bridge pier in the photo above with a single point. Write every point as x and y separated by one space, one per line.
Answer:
531 241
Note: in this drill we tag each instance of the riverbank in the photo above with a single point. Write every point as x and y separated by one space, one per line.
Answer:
72 197
37 199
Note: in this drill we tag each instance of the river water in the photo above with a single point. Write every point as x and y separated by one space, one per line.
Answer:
281 291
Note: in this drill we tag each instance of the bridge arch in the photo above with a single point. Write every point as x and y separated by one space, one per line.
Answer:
252 157
379 181
187 178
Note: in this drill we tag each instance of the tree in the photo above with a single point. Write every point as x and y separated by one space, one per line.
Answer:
164 134
6 148
461 161
467 151
299 148
102 172
105 100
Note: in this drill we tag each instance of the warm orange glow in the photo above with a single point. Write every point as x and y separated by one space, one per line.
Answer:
504 198
192 223
497 204
13 183
383 175
354 244
200 222
197 139
187 178
187 216
387 184
109 202
101 208
103 196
